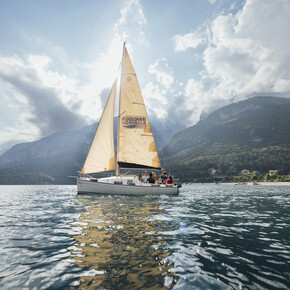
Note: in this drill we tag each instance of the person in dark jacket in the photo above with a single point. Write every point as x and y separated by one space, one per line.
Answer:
150 179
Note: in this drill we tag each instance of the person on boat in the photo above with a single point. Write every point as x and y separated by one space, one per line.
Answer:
151 179
154 175
146 176
141 178
163 178
170 180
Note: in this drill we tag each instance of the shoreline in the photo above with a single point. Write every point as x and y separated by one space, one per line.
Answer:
287 183
261 183
241 184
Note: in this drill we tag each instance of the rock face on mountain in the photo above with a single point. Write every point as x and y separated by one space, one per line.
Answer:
252 134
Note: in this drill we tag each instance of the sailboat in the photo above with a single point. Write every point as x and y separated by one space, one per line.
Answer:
136 147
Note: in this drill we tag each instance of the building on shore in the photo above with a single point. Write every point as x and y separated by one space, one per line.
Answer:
212 171
272 172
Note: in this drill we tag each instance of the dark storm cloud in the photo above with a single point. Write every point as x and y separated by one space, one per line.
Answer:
49 114
104 96
178 113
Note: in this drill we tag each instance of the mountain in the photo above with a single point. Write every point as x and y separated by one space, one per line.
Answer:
57 156
253 134
14 176
3 151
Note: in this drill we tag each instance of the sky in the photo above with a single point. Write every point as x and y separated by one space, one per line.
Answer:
58 59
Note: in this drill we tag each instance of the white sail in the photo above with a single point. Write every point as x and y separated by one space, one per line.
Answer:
101 156
135 149
136 145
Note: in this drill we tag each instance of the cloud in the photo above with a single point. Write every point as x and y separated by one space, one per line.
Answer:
50 92
102 71
188 40
44 95
155 102
162 71
132 16
244 52
104 96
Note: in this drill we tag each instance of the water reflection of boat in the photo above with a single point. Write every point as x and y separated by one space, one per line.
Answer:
120 246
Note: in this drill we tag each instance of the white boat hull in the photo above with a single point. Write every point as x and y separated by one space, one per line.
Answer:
110 188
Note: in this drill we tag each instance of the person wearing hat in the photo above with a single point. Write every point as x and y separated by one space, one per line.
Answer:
163 178
145 177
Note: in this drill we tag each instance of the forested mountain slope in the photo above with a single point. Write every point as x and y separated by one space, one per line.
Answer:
252 134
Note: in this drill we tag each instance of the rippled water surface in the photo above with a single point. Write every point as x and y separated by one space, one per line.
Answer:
208 237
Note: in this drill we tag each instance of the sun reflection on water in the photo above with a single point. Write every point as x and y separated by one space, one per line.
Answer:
120 245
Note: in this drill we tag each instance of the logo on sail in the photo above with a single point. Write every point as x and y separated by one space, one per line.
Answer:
136 122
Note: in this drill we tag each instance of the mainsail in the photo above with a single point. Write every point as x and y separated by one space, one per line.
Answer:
101 156
136 145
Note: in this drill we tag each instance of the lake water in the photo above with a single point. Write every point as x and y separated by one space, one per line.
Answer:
208 237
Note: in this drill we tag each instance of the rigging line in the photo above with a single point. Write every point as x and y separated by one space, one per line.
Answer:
119 121
122 114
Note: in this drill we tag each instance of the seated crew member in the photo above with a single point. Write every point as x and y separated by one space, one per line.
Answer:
163 178
170 180
140 177
146 176
151 179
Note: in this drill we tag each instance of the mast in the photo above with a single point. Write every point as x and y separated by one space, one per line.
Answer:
119 115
